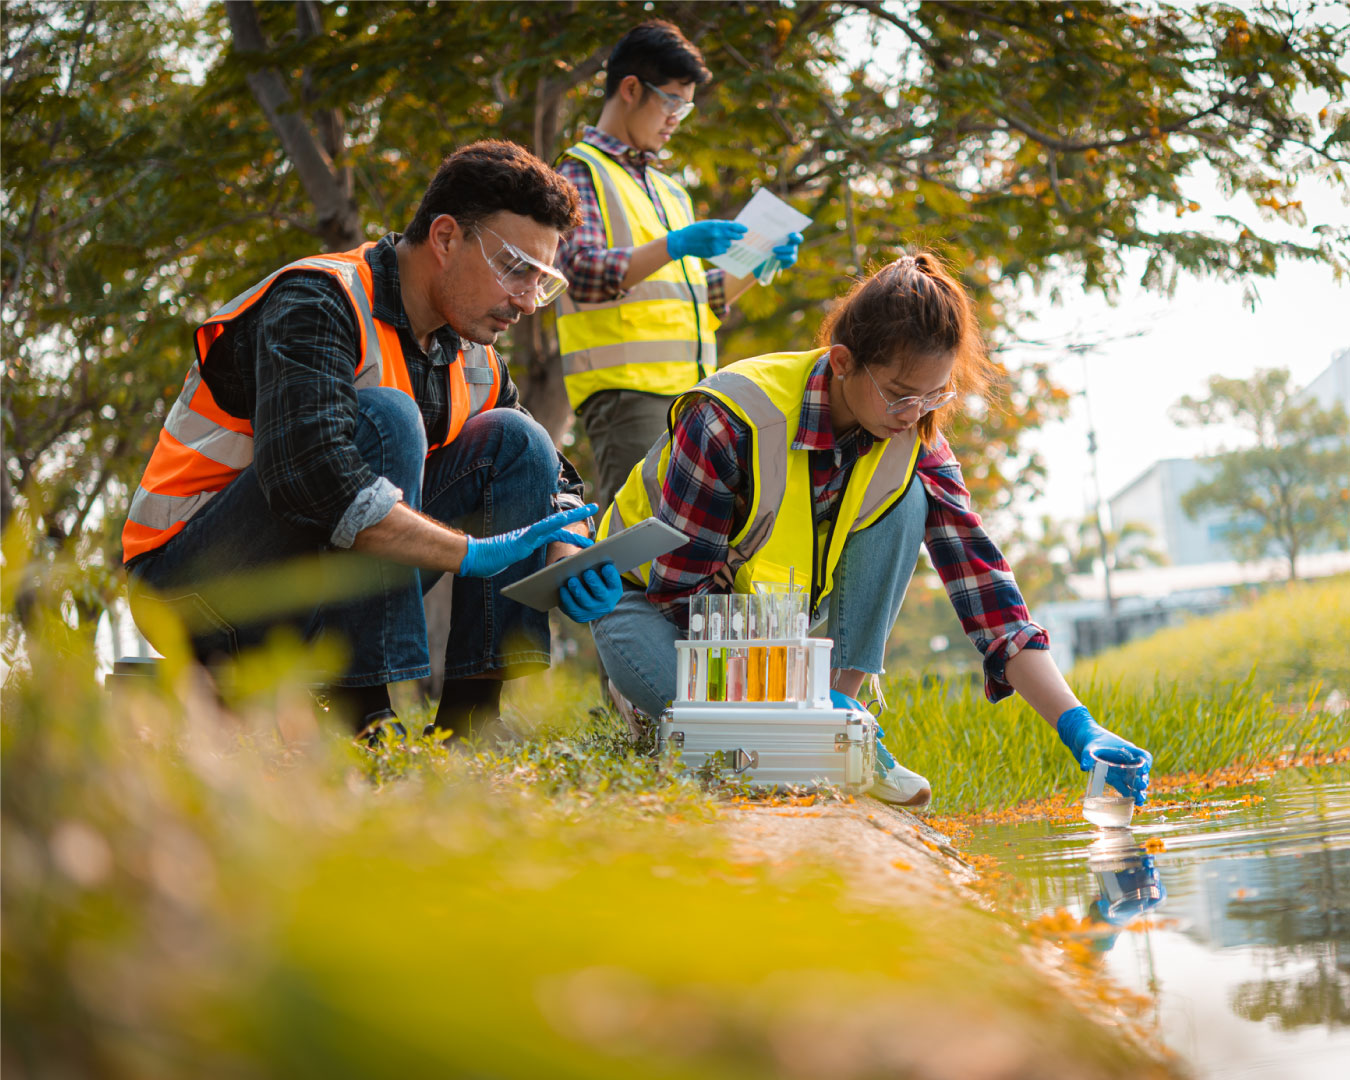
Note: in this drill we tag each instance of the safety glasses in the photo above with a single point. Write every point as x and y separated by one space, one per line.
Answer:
521 274
904 404
674 105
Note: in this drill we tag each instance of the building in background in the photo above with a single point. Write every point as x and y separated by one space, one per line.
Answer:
1202 572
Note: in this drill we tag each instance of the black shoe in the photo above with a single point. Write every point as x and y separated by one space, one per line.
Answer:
381 728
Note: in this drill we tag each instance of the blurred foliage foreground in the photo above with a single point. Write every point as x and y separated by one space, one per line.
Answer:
194 893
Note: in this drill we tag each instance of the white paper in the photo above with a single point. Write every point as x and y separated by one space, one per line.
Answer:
768 220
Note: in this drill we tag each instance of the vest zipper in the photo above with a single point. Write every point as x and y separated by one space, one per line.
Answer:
819 554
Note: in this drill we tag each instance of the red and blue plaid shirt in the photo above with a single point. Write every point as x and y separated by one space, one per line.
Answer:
705 496
594 270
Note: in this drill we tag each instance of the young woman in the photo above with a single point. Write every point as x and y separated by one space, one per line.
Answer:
833 462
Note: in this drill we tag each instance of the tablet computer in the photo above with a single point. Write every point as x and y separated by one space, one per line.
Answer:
629 547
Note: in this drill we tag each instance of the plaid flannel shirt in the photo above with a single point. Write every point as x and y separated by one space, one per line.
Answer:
704 496
595 271
289 371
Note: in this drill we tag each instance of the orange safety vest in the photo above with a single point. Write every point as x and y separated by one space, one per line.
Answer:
202 448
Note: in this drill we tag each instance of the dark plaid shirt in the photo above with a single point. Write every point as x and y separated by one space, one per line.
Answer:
288 366
704 497
594 270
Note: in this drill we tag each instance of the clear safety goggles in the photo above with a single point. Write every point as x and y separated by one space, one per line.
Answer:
904 404
521 274
674 105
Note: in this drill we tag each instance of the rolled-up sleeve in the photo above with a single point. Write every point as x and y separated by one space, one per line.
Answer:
978 579
305 344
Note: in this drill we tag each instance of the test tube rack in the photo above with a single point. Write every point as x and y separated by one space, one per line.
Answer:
779 745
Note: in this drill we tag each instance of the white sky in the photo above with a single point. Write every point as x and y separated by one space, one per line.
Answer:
1300 321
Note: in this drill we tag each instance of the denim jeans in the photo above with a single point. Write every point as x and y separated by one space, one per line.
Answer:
237 571
636 642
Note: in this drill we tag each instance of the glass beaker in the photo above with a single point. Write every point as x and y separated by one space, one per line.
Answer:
717 631
698 658
737 659
757 654
1102 803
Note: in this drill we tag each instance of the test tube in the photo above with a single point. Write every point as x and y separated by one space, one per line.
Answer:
738 606
756 631
717 631
698 659
798 627
776 689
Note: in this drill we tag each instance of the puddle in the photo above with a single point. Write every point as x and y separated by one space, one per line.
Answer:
1233 916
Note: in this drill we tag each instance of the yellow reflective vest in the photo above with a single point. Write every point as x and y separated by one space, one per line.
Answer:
779 529
659 336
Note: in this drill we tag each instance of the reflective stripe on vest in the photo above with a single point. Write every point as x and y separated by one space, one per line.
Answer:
779 531
648 339
201 448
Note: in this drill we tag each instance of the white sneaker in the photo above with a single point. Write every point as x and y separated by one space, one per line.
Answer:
902 787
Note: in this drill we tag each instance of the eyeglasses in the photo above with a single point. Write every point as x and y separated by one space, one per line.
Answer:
904 404
674 105
520 274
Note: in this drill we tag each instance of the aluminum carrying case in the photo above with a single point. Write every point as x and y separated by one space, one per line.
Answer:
772 744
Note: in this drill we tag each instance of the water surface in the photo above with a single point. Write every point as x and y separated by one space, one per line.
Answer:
1238 929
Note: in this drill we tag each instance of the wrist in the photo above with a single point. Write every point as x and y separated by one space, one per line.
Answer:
1075 727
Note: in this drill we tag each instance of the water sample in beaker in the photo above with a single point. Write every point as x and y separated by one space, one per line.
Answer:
1102 804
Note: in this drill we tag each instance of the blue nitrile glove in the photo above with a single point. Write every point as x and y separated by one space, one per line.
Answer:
703 238
784 255
1083 735
484 558
591 594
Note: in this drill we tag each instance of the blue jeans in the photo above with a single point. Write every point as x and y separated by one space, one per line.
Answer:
501 473
636 642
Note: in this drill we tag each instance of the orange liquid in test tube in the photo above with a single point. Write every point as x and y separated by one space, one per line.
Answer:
777 673
754 680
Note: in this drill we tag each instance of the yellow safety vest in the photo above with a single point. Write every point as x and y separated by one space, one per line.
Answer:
659 336
780 531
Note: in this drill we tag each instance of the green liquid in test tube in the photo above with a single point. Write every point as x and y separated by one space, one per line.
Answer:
717 671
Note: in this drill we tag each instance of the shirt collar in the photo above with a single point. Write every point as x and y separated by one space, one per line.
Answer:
814 431
388 300
617 148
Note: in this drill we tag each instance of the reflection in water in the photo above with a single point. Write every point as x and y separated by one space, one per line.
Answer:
1126 876
1249 964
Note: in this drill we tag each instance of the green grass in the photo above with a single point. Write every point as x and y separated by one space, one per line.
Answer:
189 893
981 756
1295 639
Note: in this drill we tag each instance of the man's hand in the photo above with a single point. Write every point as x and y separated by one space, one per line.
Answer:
486 558
560 549
704 238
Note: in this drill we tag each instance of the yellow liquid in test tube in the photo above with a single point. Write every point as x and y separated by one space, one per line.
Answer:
777 672
754 681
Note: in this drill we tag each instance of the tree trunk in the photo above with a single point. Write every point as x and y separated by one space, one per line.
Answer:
534 347
339 220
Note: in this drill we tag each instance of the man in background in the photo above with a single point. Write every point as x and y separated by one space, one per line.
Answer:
636 327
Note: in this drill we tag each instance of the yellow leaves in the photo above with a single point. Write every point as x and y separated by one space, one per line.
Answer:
1279 204
1154 844
783 27
900 864
526 22
1091 155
